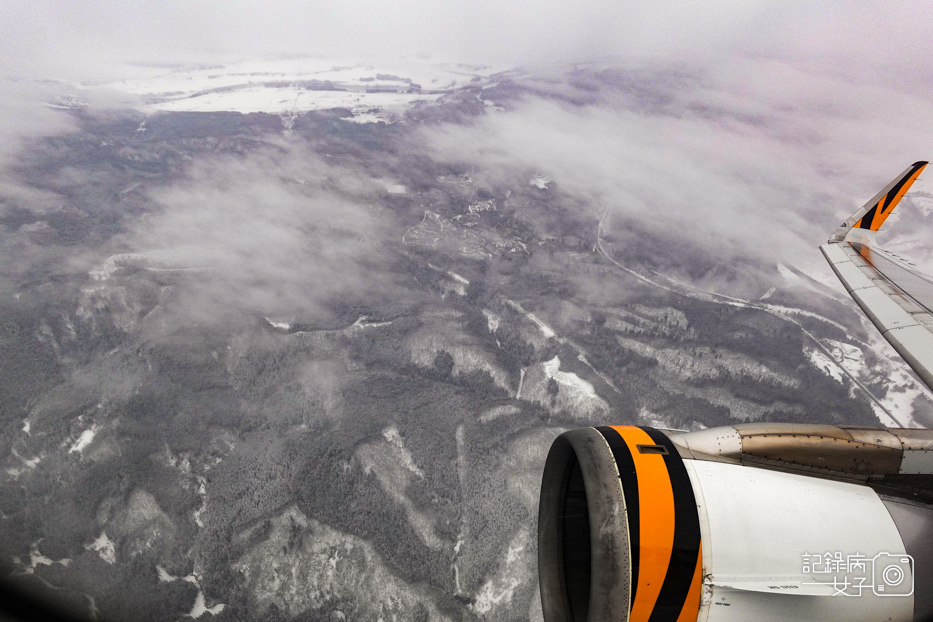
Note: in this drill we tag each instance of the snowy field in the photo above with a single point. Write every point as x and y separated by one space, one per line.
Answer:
373 91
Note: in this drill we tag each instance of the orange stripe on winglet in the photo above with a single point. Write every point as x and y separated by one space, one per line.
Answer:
691 609
656 521
882 214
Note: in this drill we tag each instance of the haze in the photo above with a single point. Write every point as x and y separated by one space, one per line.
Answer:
784 105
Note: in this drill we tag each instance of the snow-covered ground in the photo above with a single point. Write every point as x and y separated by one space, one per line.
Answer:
199 607
104 547
84 439
281 99
374 91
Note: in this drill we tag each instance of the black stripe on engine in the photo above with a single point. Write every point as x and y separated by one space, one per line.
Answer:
629 479
686 547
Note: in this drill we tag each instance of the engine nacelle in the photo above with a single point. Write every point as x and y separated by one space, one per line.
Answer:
635 525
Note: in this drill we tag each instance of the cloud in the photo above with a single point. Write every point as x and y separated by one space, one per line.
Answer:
760 54
24 118
771 122
53 38
757 163
25 115
276 233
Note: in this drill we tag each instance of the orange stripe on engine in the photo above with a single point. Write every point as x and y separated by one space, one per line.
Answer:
656 521
691 609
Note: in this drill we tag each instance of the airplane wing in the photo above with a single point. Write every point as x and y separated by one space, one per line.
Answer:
896 297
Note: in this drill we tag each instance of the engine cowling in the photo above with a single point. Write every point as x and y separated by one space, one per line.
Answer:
747 522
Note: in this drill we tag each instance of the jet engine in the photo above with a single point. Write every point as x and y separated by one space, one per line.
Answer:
748 522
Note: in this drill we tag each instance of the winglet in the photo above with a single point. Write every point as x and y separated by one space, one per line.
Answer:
873 214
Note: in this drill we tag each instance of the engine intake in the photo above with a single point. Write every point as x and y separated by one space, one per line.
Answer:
581 498
619 533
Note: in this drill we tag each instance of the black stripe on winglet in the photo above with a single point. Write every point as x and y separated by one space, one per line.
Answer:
686 547
885 204
888 199
629 478
865 222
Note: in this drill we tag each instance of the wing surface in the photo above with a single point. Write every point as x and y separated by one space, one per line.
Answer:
895 296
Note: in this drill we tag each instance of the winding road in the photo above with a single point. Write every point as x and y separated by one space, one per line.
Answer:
690 291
